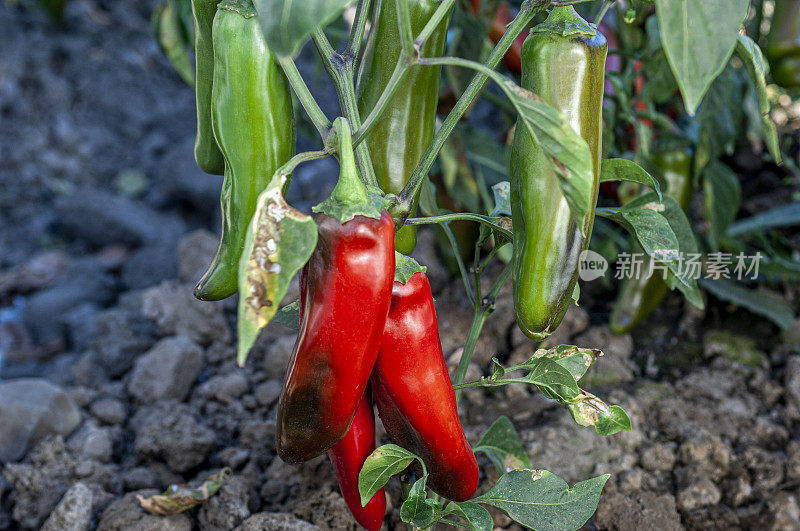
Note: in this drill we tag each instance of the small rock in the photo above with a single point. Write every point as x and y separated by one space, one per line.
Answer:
30 409
709 452
227 508
175 311
793 460
73 512
114 219
126 514
275 522
94 443
80 322
659 457
637 511
267 393
630 481
234 457
225 388
786 512
149 265
700 494
168 370
109 410
121 336
139 478
737 491
45 312
792 386
195 252
278 357
170 431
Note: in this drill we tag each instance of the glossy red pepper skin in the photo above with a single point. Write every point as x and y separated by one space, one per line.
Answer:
348 285
348 456
414 396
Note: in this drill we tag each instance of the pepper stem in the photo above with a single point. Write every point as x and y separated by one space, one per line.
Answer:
349 189
350 197
565 21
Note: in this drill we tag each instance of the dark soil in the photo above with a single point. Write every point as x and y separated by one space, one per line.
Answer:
114 380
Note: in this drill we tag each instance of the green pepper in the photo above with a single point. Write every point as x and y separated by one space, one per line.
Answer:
563 61
251 111
405 129
640 295
206 152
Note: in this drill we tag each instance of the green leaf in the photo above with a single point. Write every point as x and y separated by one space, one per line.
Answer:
567 153
722 195
767 305
415 510
553 380
503 447
405 267
698 38
720 117
279 242
288 24
474 516
757 67
782 216
576 360
502 199
289 316
588 410
687 245
627 170
382 464
664 233
540 500
179 498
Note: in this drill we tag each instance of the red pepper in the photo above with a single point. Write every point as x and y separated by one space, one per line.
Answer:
348 282
415 399
348 456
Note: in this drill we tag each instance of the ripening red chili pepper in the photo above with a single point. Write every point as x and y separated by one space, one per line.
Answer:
413 393
348 456
347 289
347 292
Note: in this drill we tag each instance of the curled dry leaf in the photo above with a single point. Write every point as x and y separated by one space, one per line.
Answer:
179 498
279 241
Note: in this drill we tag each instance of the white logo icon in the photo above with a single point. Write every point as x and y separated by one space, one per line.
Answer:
593 265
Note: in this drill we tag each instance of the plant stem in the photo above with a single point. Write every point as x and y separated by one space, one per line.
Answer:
486 220
441 12
357 31
598 18
404 27
405 199
318 118
285 171
340 68
483 308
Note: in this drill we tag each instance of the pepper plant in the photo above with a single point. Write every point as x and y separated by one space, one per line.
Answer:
367 329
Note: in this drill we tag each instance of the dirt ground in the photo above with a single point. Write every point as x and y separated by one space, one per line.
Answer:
115 381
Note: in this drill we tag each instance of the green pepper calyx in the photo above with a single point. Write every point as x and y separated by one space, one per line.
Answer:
566 22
